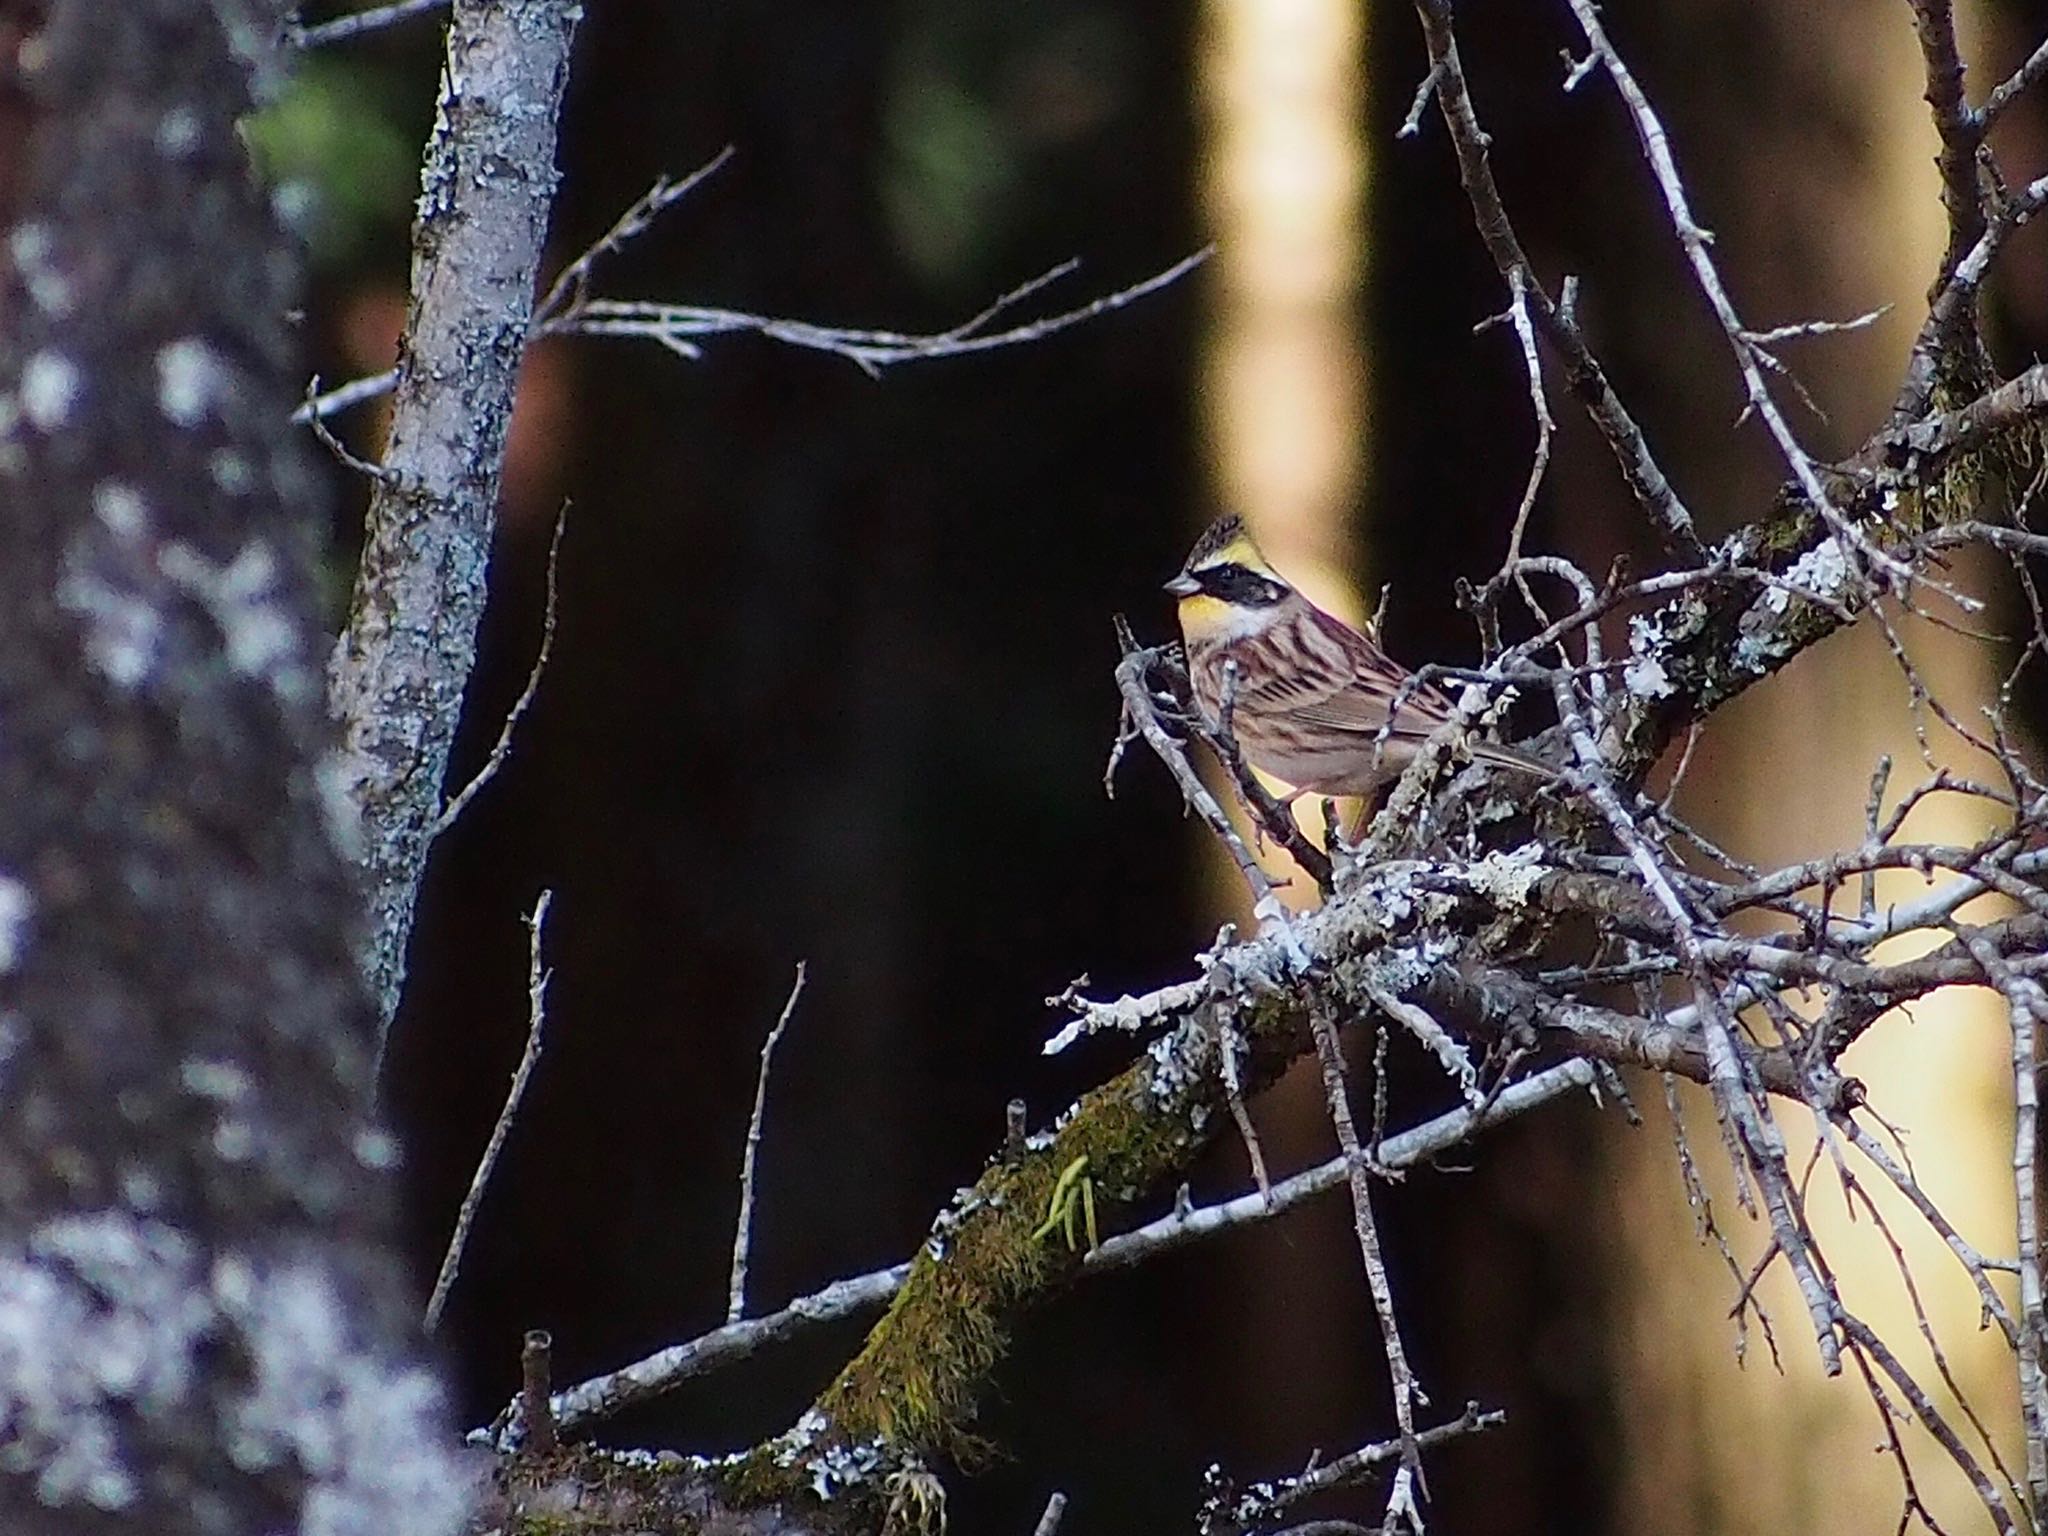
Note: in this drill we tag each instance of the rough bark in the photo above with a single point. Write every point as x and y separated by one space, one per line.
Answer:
203 1327
405 659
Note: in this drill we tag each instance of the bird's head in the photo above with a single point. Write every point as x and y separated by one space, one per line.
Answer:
1226 589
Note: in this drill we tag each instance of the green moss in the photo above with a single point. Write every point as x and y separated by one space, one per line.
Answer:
914 1382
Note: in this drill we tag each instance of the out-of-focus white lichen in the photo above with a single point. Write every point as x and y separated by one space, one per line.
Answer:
51 385
123 630
17 908
112 1321
101 1318
366 1429
190 380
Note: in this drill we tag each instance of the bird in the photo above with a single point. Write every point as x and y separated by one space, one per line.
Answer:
1311 694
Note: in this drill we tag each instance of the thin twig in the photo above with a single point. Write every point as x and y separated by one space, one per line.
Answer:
2024 999
1402 1501
1668 516
1805 328
1694 240
1961 130
357 23
1539 461
1408 1149
536 1006
1142 713
1755 1133
1412 123
318 407
1229 1043
571 284
1267 1502
334 445
679 327
502 747
2007 91
742 1236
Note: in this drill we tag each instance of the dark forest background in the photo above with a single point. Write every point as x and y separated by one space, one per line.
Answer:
832 683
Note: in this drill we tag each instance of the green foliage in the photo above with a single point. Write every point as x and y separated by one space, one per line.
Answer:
982 106
952 169
342 162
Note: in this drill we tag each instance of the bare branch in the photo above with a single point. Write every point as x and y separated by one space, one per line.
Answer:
502 748
2019 401
1409 1149
742 1237
1142 713
358 23
1961 130
2007 91
679 327
1668 517
536 1368
666 1369
2024 1001
1269 1502
312 417
1694 240
536 1005
1809 328
1866 1342
1411 125
403 663
568 311
1401 1501
1950 329
571 285
318 407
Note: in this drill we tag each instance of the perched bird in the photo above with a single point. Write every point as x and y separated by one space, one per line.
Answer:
1311 693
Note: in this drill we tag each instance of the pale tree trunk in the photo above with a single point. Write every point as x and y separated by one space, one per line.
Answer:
1283 391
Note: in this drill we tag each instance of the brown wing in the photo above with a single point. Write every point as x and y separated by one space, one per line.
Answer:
1345 682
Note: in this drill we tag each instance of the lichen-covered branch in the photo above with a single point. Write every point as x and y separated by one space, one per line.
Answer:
403 664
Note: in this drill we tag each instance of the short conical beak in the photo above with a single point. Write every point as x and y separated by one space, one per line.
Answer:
1183 585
